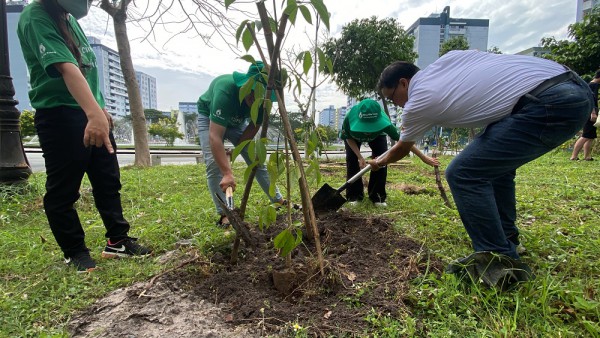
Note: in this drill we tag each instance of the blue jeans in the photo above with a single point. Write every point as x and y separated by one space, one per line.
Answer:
482 176
213 173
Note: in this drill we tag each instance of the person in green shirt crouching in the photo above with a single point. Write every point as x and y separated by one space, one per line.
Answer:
223 116
366 122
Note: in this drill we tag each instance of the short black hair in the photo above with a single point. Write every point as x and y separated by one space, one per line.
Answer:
597 76
394 72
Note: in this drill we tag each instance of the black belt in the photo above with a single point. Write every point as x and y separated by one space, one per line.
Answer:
551 82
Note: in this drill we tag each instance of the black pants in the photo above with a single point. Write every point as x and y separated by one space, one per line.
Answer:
60 131
376 188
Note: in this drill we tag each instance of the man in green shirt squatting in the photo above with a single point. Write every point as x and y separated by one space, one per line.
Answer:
222 116
366 122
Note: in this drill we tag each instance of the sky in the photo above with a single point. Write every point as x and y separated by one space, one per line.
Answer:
183 63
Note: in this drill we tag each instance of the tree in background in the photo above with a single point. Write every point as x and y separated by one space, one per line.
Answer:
457 43
153 115
582 53
27 124
494 50
167 129
327 134
122 130
364 49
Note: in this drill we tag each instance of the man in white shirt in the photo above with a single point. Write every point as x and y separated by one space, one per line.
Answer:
528 105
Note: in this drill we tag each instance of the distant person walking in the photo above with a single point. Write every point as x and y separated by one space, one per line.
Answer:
589 133
221 116
366 122
73 129
528 105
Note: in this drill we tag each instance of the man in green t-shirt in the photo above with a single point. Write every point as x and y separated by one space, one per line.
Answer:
366 122
223 116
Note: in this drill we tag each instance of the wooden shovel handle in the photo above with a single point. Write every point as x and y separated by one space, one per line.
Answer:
229 197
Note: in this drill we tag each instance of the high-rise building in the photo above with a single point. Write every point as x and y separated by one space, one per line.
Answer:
327 117
112 82
188 107
431 32
341 115
147 85
18 67
584 7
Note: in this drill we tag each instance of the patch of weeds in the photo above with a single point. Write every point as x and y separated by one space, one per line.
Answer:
384 325
354 299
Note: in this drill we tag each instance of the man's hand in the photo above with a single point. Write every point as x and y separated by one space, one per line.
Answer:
434 162
374 165
96 133
226 182
361 162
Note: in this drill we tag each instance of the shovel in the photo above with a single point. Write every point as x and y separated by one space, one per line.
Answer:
236 222
330 199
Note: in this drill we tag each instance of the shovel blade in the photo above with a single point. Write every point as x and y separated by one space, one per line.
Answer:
327 199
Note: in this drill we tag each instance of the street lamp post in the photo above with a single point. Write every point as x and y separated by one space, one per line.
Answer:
14 167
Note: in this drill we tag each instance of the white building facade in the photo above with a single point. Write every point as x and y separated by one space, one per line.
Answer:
431 32
112 82
188 107
584 7
147 85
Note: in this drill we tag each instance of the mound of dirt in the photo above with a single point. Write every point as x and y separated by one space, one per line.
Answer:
368 267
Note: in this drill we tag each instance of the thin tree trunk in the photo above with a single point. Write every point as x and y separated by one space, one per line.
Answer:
138 120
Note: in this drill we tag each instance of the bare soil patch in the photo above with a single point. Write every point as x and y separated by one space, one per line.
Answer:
369 266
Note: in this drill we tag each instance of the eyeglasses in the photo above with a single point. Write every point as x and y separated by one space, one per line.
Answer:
391 97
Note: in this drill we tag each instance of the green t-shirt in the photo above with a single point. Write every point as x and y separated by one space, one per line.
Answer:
347 133
43 46
222 105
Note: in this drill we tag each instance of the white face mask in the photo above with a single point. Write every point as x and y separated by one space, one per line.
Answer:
77 8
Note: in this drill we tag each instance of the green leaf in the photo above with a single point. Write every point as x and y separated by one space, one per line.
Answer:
252 150
247 39
307 62
272 169
246 89
267 217
238 149
322 11
261 150
249 170
313 173
291 10
240 30
286 242
258 25
248 58
298 237
273 25
298 84
306 14
228 3
254 110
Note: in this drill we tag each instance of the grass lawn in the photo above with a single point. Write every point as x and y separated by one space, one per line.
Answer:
559 216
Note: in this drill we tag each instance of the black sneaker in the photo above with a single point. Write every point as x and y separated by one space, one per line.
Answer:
127 247
82 261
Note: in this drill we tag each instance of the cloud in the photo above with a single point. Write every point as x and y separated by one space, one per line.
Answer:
183 63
